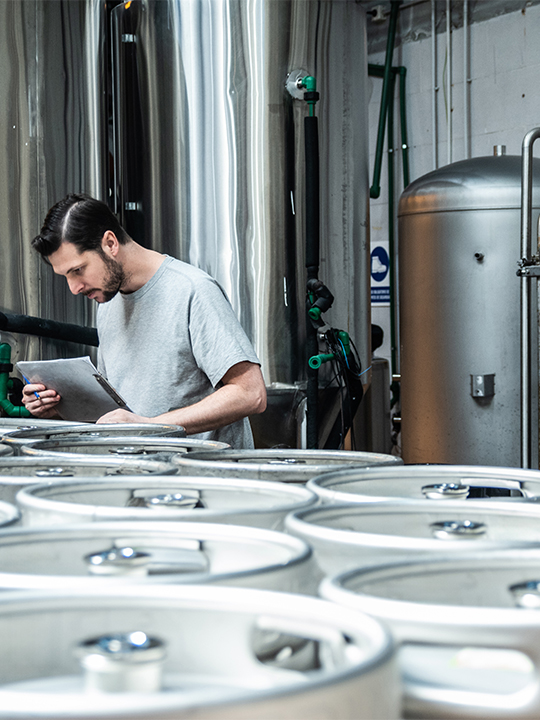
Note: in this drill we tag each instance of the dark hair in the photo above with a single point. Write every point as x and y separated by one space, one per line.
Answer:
78 219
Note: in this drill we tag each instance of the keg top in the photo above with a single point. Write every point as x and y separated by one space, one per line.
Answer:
483 183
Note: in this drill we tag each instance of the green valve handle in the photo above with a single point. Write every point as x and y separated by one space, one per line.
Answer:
316 361
314 313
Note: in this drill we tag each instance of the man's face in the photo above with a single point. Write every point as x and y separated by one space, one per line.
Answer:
91 272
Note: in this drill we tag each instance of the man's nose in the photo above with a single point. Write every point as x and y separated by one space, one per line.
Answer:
75 285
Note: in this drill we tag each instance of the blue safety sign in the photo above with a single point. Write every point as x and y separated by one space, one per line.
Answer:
380 265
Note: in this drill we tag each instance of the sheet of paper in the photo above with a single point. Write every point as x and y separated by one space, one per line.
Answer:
86 394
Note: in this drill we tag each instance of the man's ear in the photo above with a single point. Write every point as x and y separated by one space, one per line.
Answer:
109 243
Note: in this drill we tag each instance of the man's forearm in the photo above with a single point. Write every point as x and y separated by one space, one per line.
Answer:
224 406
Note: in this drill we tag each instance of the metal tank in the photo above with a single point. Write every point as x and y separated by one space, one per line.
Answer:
433 482
202 157
348 536
468 629
459 244
206 656
97 556
53 132
241 502
17 472
293 466
210 164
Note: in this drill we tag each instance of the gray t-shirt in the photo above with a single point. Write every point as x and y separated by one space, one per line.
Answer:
168 344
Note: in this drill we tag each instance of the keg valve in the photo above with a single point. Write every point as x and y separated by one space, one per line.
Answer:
122 662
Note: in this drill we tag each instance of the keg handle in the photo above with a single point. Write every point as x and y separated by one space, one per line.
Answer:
335 651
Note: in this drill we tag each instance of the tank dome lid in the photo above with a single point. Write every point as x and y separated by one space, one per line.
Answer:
483 183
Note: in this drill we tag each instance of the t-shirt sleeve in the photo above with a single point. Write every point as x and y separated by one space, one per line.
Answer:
218 340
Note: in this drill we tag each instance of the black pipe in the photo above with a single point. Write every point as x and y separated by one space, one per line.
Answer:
28 325
311 141
311 137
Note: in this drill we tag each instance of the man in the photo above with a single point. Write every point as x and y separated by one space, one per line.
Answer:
169 341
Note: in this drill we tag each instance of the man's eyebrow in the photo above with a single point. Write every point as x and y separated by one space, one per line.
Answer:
75 267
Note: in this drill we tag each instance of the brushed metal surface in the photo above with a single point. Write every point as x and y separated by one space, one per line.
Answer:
53 135
210 154
291 466
468 649
411 481
460 315
239 502
211 668
346 536
54 558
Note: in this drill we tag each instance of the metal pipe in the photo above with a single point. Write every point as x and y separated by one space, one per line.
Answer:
526 218
375 189
449 79
435 89
466 79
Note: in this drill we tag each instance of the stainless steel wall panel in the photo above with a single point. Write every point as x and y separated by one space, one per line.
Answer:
211 159
53 136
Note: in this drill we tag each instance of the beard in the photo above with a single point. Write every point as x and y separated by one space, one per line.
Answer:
114 278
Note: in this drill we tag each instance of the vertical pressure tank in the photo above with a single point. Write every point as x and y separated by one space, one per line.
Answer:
459 243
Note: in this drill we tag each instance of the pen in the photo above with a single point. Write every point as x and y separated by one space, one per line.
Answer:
27 381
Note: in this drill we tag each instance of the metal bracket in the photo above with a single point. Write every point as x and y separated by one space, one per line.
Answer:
528 271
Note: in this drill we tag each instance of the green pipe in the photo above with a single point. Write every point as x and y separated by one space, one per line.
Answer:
315 361
8 407
378 71
403 118
375 189
391 234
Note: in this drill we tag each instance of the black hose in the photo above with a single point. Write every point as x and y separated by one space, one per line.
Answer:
311 130
28 325
311 140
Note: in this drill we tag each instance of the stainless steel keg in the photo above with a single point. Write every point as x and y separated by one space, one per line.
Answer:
348 536
13 424
94 555
469 629
23 471
24 436
125 446
223 655
434 482
8 514
240 502
296 466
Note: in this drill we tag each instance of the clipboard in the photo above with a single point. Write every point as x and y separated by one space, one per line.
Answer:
86 393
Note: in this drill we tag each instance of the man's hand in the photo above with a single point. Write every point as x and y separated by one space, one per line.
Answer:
40 401
123 416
